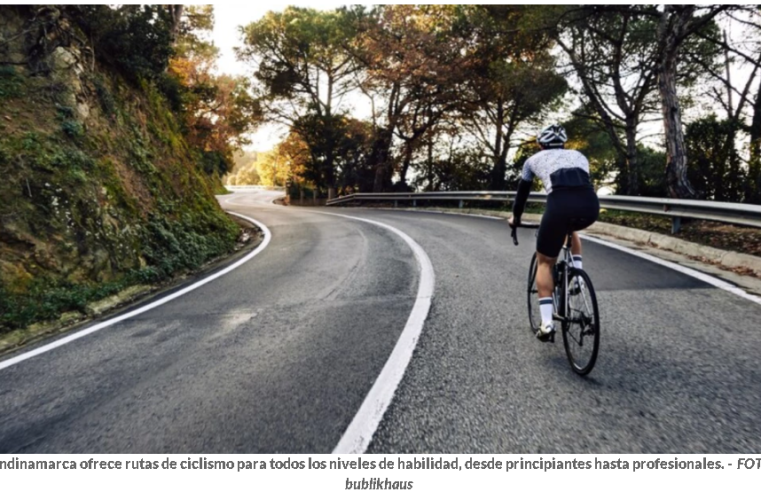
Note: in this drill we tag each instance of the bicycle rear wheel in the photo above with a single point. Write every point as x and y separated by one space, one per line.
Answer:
534 315
581 328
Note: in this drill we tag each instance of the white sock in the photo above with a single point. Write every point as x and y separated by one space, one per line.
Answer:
546 308
577 262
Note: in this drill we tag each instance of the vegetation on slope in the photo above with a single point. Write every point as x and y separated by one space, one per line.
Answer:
103 183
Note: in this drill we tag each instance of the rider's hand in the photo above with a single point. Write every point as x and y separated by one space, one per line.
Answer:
511 221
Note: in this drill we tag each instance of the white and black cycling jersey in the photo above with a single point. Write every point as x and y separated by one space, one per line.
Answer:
558 168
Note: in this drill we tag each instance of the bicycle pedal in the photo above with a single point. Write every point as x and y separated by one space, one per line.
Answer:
557 317
550 337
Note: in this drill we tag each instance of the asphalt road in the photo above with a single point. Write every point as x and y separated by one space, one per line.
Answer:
278 355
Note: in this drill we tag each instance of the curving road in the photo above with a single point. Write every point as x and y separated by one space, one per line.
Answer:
278 355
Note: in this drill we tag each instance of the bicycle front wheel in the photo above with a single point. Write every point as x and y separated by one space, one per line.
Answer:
534 314
581 328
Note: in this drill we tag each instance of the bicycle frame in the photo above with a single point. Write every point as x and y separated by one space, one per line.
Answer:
587 316
561 272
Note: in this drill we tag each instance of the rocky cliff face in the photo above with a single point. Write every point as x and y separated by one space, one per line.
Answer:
97 184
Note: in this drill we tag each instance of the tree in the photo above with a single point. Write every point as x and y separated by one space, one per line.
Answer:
675 25
591 138
218 110
713 159
136 40
613 55
412 56
513 82
753 194
303 66
345 138
733 93
273 168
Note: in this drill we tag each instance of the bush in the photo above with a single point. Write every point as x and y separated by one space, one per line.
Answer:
11 83
173 246
173 90
73 128
105 98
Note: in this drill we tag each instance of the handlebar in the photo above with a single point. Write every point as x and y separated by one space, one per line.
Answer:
525 225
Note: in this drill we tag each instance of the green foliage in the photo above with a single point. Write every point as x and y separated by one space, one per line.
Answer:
338 146
80 208
173 90
105 98
72 128
462 170
713 162
136 40
214 163
69 125
11 84
653 175
173 246
47 298
290 41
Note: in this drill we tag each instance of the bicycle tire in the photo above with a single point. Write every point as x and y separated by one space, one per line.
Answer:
576 328
533 298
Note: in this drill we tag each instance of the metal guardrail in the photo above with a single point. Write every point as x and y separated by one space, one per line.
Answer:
732 213
253 187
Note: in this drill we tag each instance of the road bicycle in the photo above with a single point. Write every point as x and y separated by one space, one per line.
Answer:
575 307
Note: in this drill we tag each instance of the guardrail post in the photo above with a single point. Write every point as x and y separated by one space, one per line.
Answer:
414 203
676 225
396 203
461 203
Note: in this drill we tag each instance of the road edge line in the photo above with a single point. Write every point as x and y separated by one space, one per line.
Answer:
358 435
82 333
704 277
718 283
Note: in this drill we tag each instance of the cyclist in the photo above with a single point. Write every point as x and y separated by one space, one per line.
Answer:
572 205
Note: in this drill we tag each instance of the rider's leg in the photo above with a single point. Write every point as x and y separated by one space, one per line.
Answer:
576 250
544 281
544 286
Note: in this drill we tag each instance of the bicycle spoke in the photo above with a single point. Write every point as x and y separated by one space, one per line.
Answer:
581 336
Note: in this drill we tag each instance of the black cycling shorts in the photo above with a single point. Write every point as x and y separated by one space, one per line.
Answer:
568 209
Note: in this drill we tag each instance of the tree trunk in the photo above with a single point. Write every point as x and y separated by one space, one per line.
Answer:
380 158
406 163
497 180
753 193
632 160
430 164
498 173
676 158
175 11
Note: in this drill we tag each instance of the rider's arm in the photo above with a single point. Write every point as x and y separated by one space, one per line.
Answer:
524 188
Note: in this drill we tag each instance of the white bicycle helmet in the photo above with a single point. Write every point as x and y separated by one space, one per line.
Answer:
552 136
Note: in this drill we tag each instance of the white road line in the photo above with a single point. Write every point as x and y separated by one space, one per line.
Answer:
721 284
63 341
358 435
441 212
718 283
